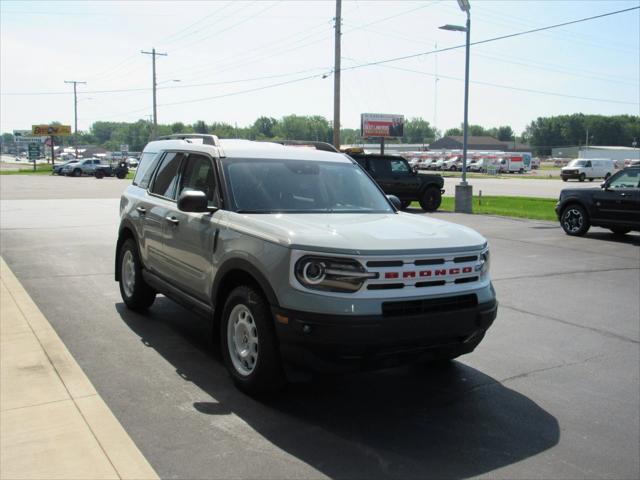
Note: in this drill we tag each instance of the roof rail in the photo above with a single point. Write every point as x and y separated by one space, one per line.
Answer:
324 146
206 138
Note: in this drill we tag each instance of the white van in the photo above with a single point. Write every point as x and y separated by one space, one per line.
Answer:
583 168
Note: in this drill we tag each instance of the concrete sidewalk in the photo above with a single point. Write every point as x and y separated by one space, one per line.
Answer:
53 423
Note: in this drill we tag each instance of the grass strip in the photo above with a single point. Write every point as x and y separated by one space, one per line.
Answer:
519 207
40 170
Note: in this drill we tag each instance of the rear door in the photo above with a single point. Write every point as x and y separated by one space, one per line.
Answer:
190 238
162 195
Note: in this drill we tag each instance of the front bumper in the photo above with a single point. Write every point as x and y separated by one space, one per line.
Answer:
569 175
330 343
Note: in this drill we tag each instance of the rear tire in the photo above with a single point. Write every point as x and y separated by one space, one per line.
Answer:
121 175
99 174
135 292
431 199
248 342
404 204
575 220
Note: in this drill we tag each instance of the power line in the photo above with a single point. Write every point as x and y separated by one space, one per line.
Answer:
494 39
509 87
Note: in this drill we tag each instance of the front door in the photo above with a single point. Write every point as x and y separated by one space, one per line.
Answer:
191 238
620 200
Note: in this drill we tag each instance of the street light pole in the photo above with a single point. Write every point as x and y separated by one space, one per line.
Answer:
465 144
464 191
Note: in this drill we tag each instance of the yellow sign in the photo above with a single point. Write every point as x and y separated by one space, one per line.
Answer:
51 130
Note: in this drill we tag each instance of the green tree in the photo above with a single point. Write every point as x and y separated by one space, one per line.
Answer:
418 130
264 126
504 133
453 132
200 127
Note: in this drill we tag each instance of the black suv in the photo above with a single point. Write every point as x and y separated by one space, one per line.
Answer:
395 177
615 205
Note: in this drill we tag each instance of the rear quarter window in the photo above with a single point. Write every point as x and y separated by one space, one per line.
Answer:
146 166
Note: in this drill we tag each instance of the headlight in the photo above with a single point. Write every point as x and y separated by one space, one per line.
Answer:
485 262
331 274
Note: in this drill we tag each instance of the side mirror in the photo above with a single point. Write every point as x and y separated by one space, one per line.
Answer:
395 201
193 201
604 185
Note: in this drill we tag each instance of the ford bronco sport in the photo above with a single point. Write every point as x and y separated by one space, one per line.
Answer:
298 259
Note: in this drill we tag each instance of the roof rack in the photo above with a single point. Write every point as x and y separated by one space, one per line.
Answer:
324 146
206 139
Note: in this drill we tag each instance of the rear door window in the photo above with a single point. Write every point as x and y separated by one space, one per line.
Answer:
146 167
166 178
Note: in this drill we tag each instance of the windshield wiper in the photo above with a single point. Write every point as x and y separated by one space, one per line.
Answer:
253 211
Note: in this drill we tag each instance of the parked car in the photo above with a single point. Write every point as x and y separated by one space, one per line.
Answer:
297 257
86 166
583 168
396 177
615 205
120 170
57 168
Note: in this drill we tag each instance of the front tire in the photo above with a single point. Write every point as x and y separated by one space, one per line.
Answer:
77 172
248 342
582 177
574 220
431 199
135 292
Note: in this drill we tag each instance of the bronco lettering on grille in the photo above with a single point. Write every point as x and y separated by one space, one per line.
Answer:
440 272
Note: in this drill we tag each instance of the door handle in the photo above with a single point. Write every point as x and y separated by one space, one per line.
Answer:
622 194
141 210
173 220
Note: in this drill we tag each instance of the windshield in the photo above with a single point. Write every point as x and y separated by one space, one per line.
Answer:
577 163
297 186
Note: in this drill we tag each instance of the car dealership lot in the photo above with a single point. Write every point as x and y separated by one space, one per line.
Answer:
553 391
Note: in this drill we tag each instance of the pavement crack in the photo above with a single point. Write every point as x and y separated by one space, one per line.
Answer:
569 247
572 324
558 274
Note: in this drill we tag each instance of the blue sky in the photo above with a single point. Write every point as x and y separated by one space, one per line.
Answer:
228 56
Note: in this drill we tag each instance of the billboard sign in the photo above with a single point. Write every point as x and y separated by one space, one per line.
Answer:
25 136
57 130
381 125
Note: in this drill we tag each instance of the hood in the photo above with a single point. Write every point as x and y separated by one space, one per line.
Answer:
376 234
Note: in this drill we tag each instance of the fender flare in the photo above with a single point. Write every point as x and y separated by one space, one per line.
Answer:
247 267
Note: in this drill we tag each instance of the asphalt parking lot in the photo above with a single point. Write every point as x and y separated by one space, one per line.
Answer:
552 392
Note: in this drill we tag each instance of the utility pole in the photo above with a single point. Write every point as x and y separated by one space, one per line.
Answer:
336 77
75 112
435 90
586 147
154 54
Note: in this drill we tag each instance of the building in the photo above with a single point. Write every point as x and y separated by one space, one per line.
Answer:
597 151
479 143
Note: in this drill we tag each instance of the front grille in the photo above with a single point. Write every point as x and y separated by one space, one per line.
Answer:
427 306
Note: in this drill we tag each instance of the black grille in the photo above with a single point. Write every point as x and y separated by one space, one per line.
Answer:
385 286
471 258
430 261
433 305
466 280
384 263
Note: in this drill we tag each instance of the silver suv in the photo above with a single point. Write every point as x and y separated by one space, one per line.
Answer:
298 259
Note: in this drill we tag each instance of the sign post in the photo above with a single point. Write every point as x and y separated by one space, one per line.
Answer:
34 153
381 125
